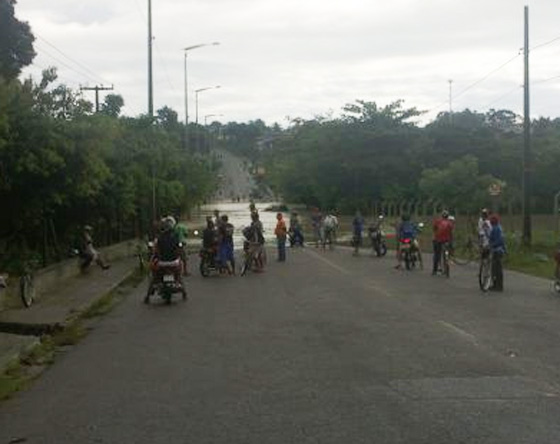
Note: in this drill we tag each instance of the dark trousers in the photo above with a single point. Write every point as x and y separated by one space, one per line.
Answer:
281 248
497 271
437 255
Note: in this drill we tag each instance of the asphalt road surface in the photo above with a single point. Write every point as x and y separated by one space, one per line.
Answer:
325 348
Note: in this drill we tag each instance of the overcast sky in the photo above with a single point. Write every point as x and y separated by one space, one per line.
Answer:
303 58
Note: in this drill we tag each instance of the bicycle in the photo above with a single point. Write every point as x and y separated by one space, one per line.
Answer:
485 270
254 254
445 258
467 252
26 285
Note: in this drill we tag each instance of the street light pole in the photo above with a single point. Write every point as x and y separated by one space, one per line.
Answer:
186 50
210 115
150 70
197 91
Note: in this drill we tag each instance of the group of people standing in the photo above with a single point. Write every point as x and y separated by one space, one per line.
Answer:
490 232
218 238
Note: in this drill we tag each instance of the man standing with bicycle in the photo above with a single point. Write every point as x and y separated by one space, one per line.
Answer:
484 229
443 234
498 249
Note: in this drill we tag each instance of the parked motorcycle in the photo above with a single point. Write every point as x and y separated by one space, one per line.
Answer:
377 237
209 263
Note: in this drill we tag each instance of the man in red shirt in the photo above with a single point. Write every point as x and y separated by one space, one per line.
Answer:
443 233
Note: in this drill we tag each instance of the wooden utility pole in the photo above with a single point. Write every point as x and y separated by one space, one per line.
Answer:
150 78
527 156
96 89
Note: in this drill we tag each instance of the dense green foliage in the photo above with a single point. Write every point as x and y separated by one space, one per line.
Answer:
62 167
16 42
373 154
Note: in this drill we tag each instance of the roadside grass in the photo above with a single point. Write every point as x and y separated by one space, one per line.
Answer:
20 373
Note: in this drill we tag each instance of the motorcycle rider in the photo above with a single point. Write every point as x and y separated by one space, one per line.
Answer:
166 249
210 236
375 230
443 233
406 229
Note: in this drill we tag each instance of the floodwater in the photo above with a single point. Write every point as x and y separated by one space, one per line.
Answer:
239 216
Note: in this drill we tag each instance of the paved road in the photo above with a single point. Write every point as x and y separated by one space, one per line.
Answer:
236 181
326 348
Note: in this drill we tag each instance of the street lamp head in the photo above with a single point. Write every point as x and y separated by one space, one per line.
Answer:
188 48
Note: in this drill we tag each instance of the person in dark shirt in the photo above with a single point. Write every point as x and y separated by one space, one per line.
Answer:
225 244
209 235
498 249
167 243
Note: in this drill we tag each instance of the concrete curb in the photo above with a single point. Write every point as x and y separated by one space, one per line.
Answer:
17 338
14 347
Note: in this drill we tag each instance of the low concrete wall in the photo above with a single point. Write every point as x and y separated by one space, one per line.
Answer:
51 276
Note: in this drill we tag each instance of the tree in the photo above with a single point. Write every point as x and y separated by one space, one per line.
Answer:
16 42
112 105
459 186
389 116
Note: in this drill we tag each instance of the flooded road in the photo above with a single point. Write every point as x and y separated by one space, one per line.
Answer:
240 217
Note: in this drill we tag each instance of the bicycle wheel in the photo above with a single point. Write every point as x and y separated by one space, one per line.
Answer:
485 275
27 289
445 263
246 264
464 254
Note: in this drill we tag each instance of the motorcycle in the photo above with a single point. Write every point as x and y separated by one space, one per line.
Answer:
166 280
378 244
409 253
209 263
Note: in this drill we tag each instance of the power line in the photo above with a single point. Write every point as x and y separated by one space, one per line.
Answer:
545 43
472 85
165 70
546 80
71 59
502 96
61 62
66 80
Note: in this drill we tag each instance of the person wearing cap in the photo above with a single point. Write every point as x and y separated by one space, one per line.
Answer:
484 228
498 249
89 253
443 234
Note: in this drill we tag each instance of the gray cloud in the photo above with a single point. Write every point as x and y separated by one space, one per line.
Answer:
304 57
